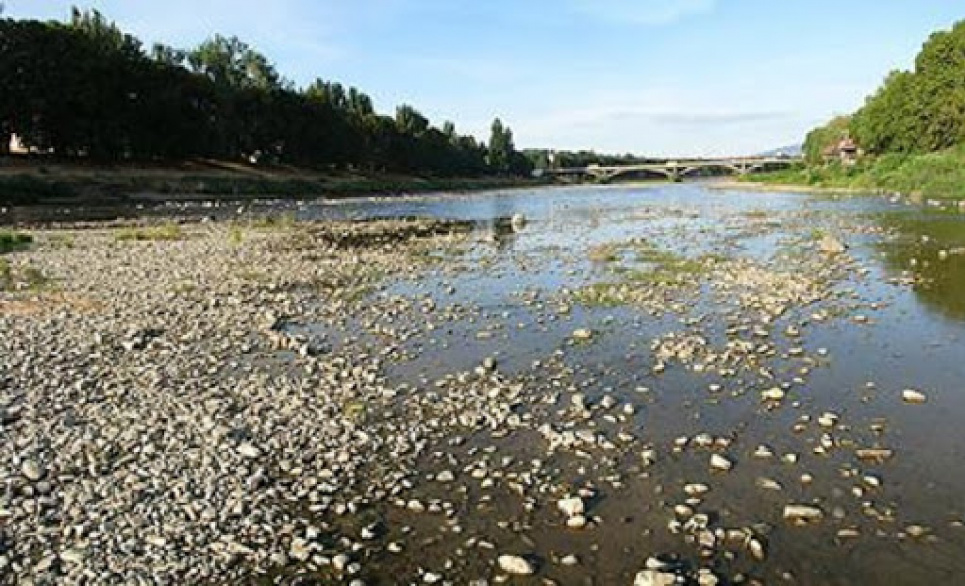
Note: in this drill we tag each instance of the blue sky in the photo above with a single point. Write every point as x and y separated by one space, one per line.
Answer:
661 77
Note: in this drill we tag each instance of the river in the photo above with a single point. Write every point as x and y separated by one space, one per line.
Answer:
657 320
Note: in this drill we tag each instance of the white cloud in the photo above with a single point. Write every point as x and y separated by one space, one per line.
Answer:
642 12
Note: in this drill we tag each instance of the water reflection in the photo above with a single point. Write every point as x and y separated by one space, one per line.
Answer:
929 248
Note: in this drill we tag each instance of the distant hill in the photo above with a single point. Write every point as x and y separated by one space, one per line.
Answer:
794 150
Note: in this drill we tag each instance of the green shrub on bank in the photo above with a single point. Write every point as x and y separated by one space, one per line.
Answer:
939 175
10 241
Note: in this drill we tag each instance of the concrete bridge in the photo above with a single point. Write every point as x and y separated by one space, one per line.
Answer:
676 170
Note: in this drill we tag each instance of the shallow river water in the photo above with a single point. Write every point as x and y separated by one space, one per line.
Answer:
890 318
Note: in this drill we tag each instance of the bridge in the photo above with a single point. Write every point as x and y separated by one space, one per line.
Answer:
676 170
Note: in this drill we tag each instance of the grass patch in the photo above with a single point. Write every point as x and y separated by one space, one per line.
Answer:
604 253
164 232
651 270
282 221
10 241
253 276
236 236
6 275
61 241
939 175
30 278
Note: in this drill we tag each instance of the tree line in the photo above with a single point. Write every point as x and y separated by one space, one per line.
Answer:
85 89
557 159
913 112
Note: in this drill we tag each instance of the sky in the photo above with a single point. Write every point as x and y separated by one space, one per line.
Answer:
651 77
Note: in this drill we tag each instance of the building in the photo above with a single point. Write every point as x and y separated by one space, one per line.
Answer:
845 150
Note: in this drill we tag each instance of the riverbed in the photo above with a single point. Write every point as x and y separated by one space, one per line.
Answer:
583 385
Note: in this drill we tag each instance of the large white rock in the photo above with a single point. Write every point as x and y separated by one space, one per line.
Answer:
571 507
802 513
831 245
718 462
913 396
654 578
514 564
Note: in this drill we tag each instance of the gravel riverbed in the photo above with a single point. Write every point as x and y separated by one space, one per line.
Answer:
294 404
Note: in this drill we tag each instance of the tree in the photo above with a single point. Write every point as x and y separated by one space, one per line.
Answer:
230 62
915 111
410 121
886 123
86 89
500 147
819 140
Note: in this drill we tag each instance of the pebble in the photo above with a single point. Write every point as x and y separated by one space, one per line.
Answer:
571 507
516 565
718 462
773 394
806 513
582 334
654 578
914 397
31 470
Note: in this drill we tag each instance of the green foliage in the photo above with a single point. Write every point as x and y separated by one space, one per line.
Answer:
10 241
29 277
6 275
545 158
84 89
886 124
821 138
923 110
236 236
938 175
912 128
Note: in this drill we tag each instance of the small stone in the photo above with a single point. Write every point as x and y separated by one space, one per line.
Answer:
445 476
340 562
249 451
763 452
72 556
300 550
756 548
696 489
914 397
773 394
831 245
802 513
571 507
706 577
828 420
874 454
582 334
570 560
916 531
32 470
718 462
518 222
768 484
848 533
654 578
576 522
516 565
